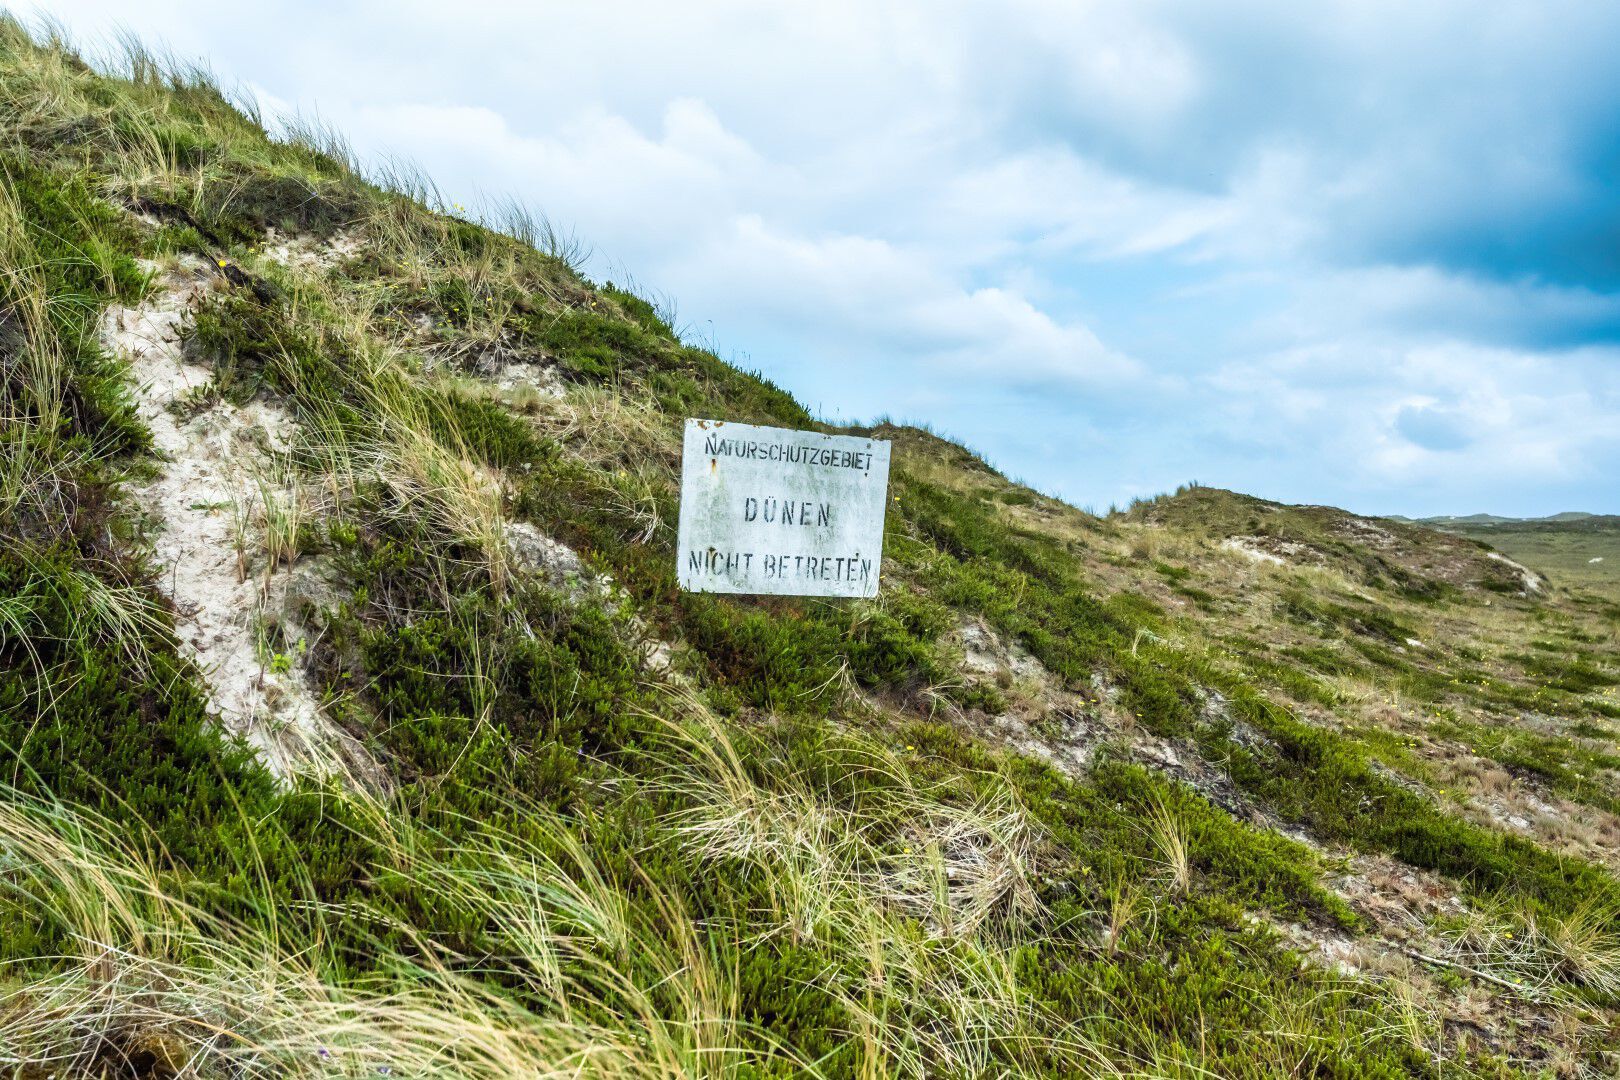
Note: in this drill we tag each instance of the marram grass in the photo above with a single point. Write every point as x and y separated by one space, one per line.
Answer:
927 835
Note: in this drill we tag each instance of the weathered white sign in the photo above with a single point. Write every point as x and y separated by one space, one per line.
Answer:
768 510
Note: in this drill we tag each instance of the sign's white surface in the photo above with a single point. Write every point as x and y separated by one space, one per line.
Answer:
769 510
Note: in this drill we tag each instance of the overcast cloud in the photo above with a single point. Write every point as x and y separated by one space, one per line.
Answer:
1360 253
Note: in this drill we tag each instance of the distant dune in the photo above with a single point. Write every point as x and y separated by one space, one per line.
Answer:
1574 548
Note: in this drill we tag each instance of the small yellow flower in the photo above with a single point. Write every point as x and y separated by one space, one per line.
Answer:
910 747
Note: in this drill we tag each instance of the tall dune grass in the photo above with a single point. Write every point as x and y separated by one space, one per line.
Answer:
586 974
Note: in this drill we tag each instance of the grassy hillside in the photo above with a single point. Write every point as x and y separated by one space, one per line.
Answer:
354 724
1581 551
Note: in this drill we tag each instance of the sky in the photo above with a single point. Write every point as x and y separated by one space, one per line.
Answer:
1364 254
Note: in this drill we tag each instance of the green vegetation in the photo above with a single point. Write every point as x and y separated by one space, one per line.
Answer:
1579 553
584 821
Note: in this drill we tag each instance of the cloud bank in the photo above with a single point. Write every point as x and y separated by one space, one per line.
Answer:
1363 253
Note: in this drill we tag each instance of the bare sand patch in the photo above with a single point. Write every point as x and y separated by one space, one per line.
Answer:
205 515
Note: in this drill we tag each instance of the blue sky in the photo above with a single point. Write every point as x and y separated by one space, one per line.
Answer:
1365 254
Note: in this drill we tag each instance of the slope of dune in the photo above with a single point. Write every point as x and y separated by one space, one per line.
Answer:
354 723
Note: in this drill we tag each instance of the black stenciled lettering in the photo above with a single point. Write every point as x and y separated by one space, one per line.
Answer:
716 446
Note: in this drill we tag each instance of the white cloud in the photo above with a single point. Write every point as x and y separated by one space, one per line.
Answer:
1392 418
681 197
871 297
628 188
1057 202
1340 251
1429 303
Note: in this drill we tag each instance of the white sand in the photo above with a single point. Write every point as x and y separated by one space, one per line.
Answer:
191 510
1529 579
1249 549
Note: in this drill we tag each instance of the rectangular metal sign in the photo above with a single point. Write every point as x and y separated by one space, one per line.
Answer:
769 510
